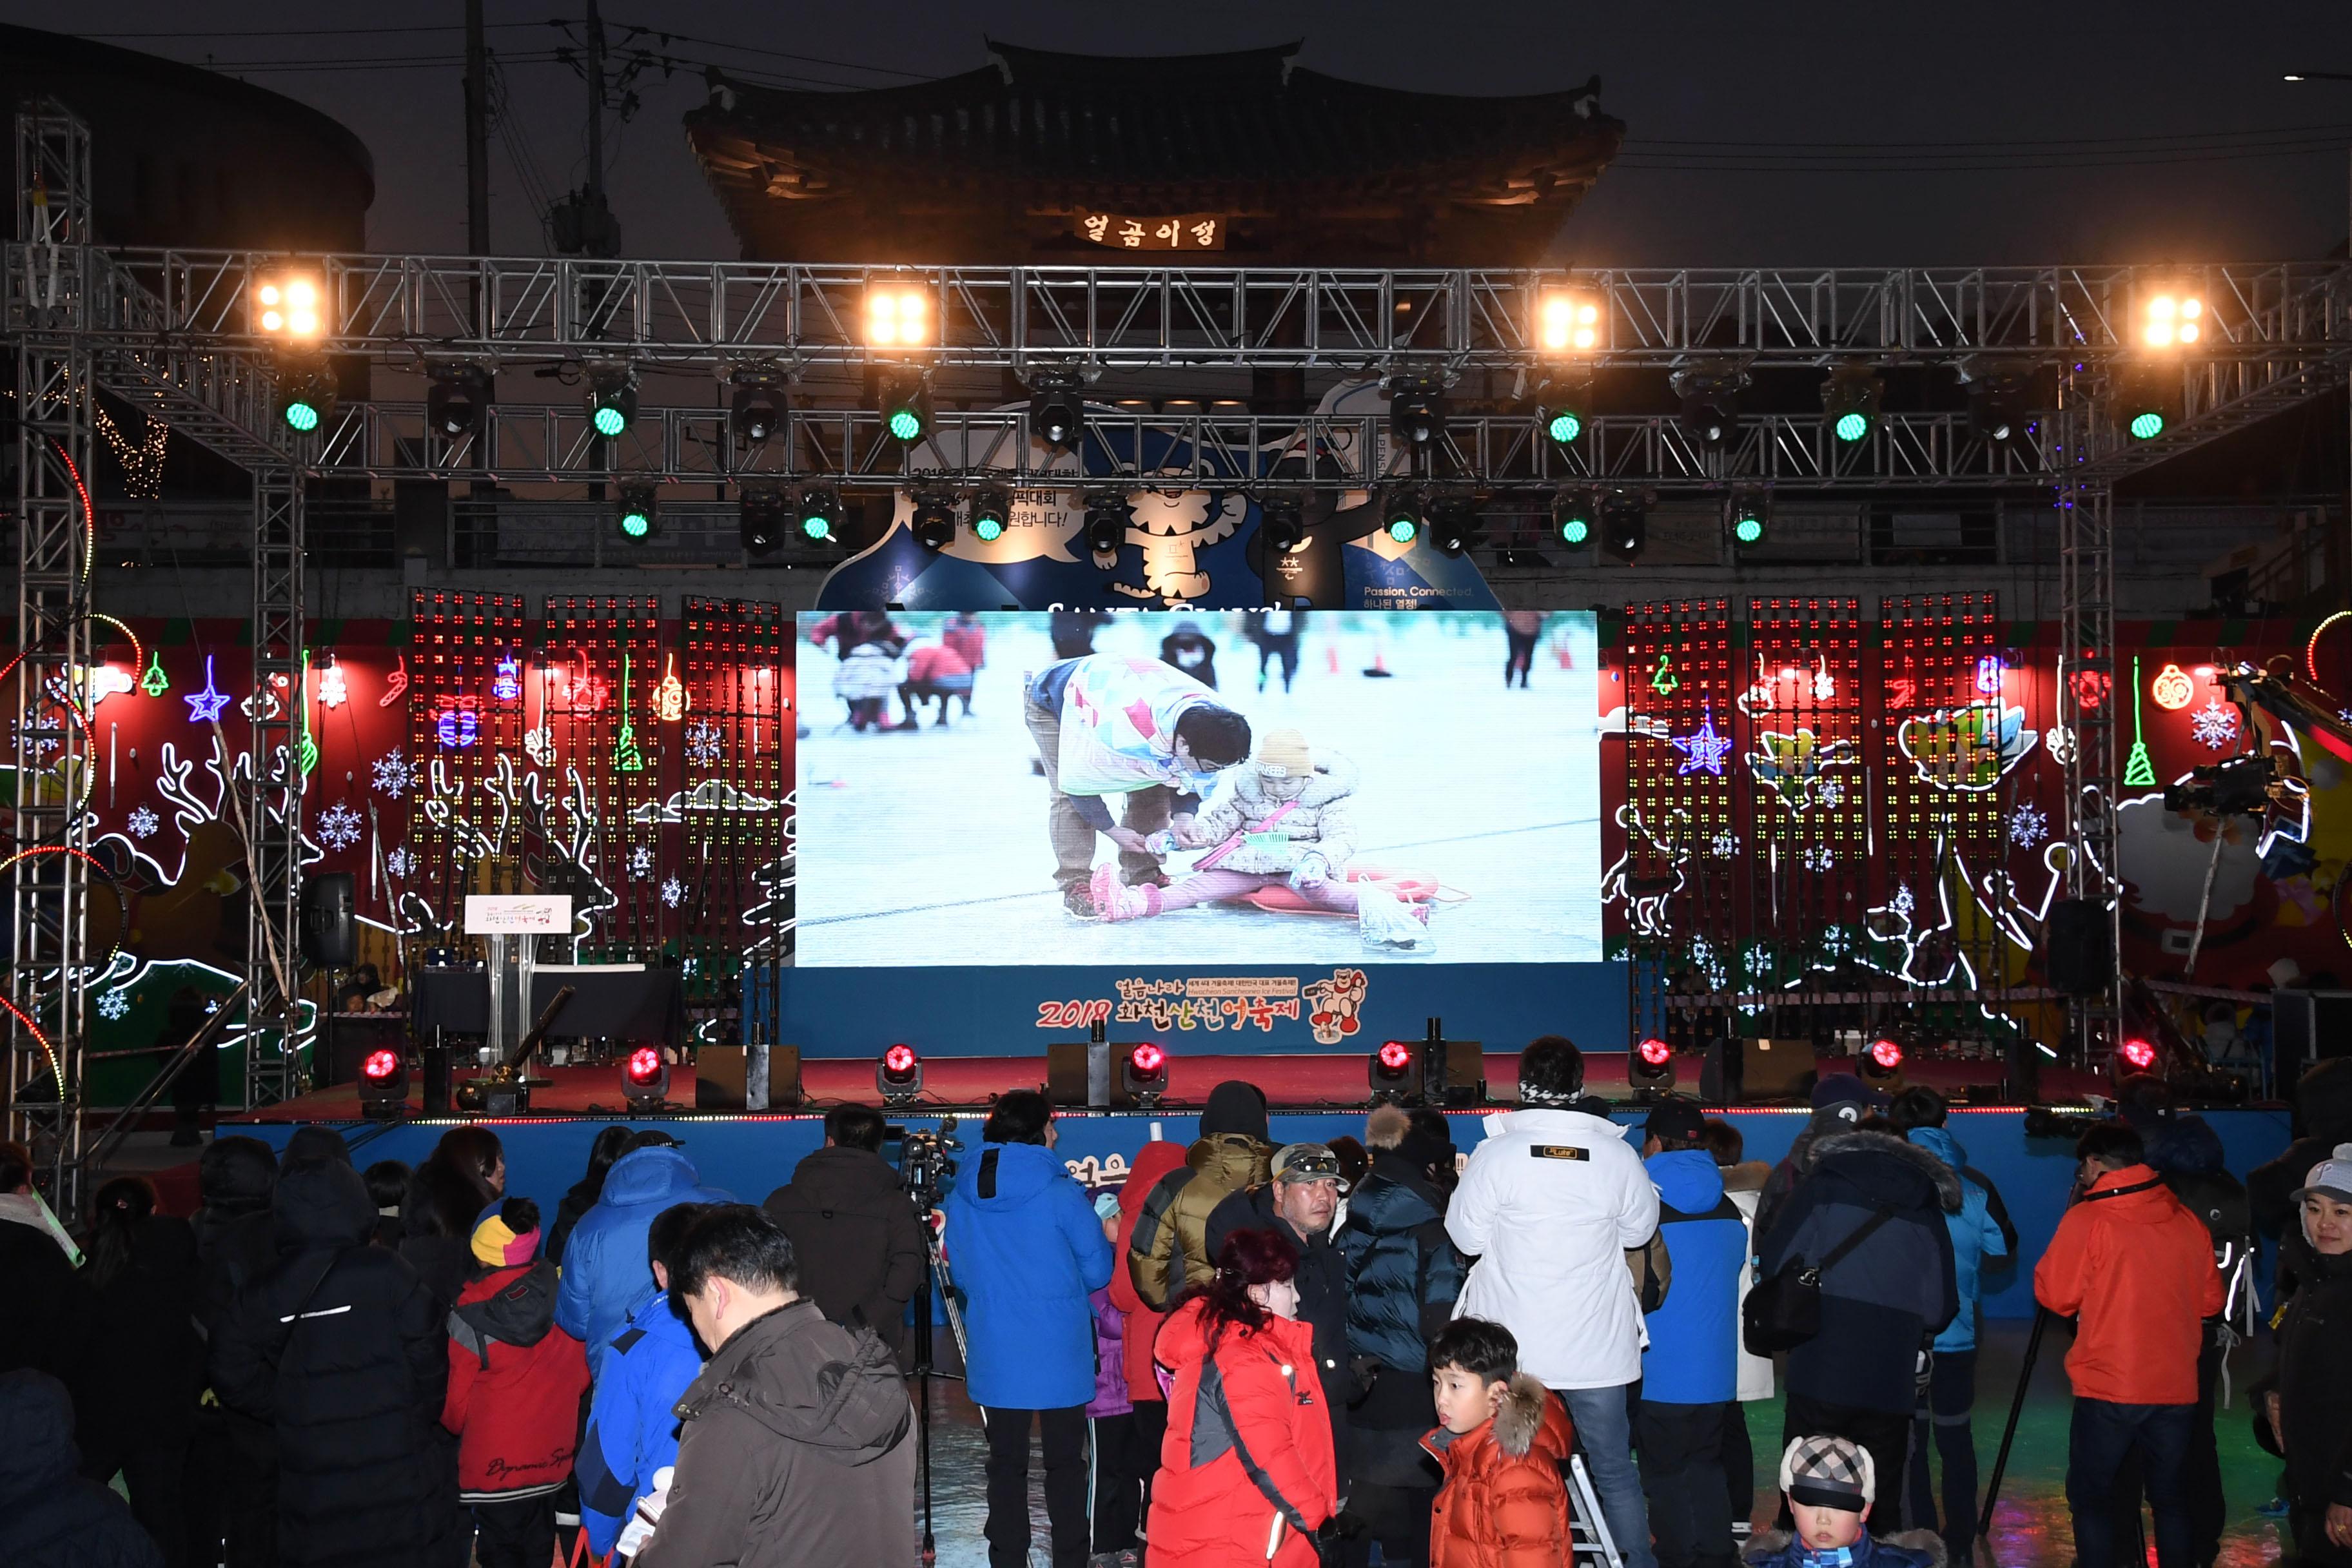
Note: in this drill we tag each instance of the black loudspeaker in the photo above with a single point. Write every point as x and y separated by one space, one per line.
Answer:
329 927
2075 951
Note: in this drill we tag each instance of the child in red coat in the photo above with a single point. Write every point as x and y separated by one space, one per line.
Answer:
1503 1445
515 1385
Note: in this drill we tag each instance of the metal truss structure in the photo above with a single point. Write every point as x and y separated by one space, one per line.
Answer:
2087 696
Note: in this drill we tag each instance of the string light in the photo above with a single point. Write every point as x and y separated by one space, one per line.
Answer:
142 461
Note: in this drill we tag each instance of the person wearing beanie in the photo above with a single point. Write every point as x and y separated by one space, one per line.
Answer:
1831 1484
1403 1275
1284 822
1168 1247
2302 1411
513 1400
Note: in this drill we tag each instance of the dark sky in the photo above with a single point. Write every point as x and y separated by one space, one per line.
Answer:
2106 131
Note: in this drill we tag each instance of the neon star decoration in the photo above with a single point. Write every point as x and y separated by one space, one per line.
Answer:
1702 749
155 683
204 707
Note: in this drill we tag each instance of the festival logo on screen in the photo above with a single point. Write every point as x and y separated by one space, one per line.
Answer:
1213 1003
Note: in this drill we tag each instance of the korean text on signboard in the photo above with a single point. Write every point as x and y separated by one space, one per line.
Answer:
1192 231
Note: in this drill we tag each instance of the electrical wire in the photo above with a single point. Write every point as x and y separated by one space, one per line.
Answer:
665 33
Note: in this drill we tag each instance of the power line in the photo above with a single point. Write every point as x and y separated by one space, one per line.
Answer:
299 32
665 33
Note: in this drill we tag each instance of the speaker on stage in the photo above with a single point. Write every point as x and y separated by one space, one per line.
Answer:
329 926
1776 1068
2075 951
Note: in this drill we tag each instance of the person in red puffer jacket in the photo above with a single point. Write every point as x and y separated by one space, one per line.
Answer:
515 1383
1246 1475
1504 1446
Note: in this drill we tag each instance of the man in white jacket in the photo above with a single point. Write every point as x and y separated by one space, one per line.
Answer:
1549 1206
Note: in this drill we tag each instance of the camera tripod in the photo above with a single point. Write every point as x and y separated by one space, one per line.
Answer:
924 1174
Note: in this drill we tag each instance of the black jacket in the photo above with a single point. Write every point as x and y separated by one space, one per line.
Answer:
856 1235
576 1203
50 1516
2315 1380
44 1306
1322 1281
2323 1119
342 1349
1403 1275
236 1240
138 1381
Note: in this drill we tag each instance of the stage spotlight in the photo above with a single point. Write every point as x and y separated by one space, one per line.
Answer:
1746 517
645 1080
1106 525
990 512
761 518
904 404
1143 1076
1395 1081
1567 322
899 1075
2171 319
1416 410
1710 402
454 402
1281 523
1401 517
1883 1060
756 413
2147 398
1625 524
1650 1069
1850 401
1572 518
935 522
309 397
2140 1054
1454 525
612 399
383 1084
2000 401
287 306
819 514
1058 413
638 514
898 316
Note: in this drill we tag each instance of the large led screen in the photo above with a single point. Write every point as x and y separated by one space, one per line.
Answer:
1189 788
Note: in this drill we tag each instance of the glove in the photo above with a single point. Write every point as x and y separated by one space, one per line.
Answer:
647 1513
1162 843
1341 1526
1311 872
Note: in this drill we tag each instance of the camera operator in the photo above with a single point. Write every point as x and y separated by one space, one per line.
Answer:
1026 1249
2135 1268
859 1244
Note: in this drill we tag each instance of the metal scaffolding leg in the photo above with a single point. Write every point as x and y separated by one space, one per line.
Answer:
48 880
270 791
2089 692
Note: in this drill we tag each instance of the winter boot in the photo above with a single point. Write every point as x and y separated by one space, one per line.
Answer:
1116 902
1079 901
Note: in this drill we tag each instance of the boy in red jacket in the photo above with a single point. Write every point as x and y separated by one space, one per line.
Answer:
1503 1445
2136 1267
515 1383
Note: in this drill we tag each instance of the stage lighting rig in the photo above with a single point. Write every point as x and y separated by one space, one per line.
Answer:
1281 522
309 394
2171 318
2148 399
383 1084
611 398
1106 528
757 411
2000 399
639 514
1650 1069
1710 400
1625 524
905 404
1432 1070
898 316
1747 518
645 1080
287 307
991 513
1851 399
1057 412
1143 1076
1566 321
1391 1071
1416 411
454 404
1402 516
2139 1053
1572 515
934 520
899 1075
761 522
819 514
1882 1063
1453 525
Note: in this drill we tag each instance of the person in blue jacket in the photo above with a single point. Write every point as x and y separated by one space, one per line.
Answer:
605 1276
633 1420
1976 1236
1025 1250
1690 1373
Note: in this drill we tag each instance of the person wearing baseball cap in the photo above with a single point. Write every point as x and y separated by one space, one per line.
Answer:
2304 1410
1690 1370
1831 1484
1300 1200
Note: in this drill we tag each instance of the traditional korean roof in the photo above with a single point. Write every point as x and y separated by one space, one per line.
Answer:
1247 131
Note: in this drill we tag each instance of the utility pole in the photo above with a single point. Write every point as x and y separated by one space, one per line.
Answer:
595 74
477 134
583 221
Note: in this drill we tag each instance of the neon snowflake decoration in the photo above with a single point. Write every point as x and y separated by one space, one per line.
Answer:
1724 845
703 744
114 1004
142 822
1816 858
1837 940
1902 904
673 892
2028 827
338 826
392 776
398 863
1829 792
641 863
2215 724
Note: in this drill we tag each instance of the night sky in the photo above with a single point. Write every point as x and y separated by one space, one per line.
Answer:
1745 121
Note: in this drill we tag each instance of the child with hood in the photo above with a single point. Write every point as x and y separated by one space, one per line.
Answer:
1952 1388
1504 1442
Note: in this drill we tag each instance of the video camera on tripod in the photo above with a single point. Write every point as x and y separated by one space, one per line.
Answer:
926 1161
2234 786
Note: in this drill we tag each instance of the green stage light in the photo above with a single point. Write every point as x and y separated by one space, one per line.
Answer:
1563 427
612 400
2146 426
1749 530
990 529
819 514
611 421
989 513
906 423
1851 399
301 414
1853 427
636 524
636 512
1405 527
1574 530
817 528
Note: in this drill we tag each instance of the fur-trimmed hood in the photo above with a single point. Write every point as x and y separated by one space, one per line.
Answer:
1748 1176
1946 1180
1528 1420
1771 1546
1520 1415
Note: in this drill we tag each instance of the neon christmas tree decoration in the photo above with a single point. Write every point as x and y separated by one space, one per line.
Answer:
155 683
308 751
1663 681
2140 772
626 758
